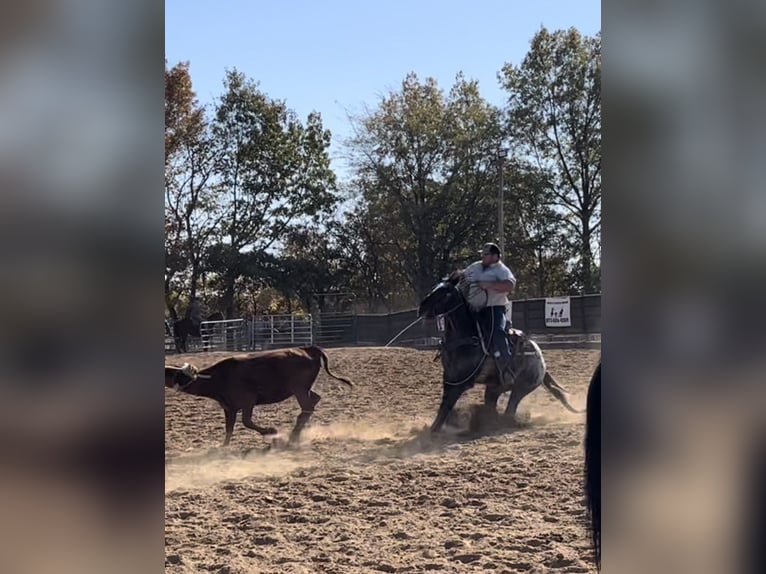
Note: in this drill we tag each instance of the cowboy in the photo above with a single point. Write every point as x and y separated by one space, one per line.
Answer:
497 280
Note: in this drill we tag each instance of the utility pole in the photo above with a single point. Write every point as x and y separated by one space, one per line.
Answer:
501 155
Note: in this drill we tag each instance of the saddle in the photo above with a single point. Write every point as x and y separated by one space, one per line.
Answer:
515 337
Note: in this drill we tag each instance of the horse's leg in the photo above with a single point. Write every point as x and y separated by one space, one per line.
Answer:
517 394
449 397
486 413
491 395
247 420
182 341
307 402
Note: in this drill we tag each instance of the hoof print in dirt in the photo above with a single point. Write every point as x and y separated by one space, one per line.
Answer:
467 558
265 540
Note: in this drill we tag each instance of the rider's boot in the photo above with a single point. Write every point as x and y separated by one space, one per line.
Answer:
505 369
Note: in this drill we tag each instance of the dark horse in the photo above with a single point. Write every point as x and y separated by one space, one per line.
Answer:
467 362
188 327
593 460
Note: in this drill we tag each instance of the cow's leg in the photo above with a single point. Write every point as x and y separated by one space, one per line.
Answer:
449 397
231 417
247 420
307 402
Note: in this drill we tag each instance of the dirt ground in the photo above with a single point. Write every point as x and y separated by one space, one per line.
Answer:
369 490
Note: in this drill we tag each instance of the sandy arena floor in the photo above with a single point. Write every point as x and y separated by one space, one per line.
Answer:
369 490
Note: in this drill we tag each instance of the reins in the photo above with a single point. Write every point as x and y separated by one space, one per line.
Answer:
485 352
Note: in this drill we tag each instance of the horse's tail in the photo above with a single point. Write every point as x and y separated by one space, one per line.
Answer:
559 392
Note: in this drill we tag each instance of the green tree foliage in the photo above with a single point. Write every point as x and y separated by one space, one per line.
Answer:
554 115
191 212
272 171
535 247
250 196
423 171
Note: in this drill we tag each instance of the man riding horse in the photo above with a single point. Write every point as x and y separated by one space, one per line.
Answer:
462 298
497 281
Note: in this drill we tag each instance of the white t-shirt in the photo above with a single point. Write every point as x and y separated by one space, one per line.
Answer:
477 273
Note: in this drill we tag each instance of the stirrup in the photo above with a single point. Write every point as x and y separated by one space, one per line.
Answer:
506 374
505 371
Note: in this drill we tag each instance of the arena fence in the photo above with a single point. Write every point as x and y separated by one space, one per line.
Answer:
348 329
227 335
274 331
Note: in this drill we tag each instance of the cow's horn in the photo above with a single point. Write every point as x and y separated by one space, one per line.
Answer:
189 370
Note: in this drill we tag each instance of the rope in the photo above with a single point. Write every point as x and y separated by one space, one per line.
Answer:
484 355
403 331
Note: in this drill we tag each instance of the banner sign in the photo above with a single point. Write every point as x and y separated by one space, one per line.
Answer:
557 312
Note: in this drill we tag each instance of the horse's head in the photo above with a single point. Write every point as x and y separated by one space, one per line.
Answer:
455 277
445 297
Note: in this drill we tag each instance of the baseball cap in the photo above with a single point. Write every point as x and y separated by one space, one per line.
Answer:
490 249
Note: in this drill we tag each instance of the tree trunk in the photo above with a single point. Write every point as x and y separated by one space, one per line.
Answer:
193 280
587 258
424 280
228 295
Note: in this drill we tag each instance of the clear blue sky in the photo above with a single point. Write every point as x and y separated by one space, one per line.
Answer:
338 55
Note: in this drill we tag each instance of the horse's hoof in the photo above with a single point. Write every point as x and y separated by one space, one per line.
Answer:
269 431
276 442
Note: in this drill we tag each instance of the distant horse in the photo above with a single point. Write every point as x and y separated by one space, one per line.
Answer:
593 460
464 354
188 327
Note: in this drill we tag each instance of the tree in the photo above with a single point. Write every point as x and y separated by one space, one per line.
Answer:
373 268
314 265
191 212
554 114
537 250
273 172
424 175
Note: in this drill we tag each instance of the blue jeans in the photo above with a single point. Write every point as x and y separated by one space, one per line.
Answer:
494 318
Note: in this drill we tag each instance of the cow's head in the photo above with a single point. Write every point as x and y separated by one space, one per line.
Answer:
181 377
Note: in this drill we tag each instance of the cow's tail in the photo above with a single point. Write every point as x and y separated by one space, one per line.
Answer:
559 392
325 364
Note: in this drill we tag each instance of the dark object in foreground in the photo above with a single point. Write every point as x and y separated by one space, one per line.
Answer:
264 378
593 461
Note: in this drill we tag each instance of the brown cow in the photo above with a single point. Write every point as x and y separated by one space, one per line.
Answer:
263 378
